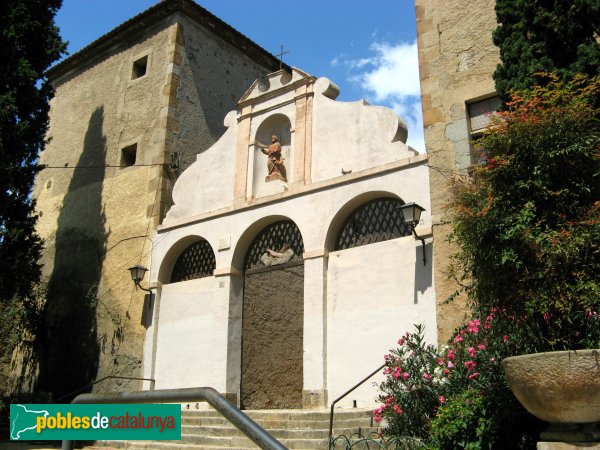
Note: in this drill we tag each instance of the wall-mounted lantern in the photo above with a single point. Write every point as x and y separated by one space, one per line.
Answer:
411 214
137 274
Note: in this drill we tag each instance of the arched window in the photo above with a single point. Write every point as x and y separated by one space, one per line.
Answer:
282 237
196 261
375 221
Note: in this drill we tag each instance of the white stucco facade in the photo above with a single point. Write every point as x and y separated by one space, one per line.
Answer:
357 301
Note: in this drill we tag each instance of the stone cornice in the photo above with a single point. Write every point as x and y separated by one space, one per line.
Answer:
292 86
395 166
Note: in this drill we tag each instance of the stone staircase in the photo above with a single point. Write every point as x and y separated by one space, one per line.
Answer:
296 429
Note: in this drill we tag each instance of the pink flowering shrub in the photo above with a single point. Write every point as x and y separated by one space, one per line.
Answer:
408 395
422 381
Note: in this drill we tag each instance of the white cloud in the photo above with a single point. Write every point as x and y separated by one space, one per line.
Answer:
359 63
394 72
390 77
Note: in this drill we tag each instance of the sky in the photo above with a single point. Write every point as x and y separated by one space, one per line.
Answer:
367 47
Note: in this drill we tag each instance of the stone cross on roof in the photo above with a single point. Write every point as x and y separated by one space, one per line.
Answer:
280 55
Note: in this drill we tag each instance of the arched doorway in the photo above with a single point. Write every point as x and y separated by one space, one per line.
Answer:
272 319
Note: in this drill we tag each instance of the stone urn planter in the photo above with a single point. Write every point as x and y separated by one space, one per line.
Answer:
562 388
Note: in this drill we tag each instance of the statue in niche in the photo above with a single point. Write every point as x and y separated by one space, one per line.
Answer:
272 257
275 159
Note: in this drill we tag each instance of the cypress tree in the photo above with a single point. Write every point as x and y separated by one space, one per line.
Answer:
29 44
545 36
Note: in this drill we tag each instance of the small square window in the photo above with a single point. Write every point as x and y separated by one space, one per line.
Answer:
480 112
128 155
139 67
479 115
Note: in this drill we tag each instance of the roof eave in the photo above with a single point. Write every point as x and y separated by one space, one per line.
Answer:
156 13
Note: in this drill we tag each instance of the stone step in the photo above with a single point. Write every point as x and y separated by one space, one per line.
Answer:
209 443
278 433
159 445
287 414
218 441
295 429
242 441
276 423
305 444
282 419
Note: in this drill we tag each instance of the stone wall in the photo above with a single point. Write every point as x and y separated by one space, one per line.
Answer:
94 318
456 60
99 211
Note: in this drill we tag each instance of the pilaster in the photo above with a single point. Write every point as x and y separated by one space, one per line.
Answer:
241 158
314 393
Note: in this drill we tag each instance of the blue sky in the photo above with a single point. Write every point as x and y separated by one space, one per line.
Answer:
367 47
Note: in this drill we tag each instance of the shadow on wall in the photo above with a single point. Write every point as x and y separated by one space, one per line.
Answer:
423 272
70 347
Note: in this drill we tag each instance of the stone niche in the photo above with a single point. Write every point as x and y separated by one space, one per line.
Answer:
280 125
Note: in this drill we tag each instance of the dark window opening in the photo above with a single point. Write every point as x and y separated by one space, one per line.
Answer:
376 221
196 261
139 68
128 155
280 237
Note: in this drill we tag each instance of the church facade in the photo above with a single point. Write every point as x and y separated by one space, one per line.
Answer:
279 259
276 278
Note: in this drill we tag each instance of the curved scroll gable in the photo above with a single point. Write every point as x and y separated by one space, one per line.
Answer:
207 184
353 135
274 82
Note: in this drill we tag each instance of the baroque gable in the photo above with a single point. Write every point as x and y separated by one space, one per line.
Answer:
287 134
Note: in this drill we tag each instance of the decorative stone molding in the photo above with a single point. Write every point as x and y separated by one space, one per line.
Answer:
228 271
313 254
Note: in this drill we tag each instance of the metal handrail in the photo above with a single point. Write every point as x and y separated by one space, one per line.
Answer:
102 379
343 395
205 394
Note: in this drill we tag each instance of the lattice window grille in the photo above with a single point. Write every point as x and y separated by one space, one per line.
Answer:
274 237
196 261
376 221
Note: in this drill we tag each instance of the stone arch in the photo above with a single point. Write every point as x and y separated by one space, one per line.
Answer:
172 255
196 261
349 208
281 236
247 237
271 375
